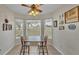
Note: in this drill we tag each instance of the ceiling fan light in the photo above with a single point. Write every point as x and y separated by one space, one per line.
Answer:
36 13
35 9
30 13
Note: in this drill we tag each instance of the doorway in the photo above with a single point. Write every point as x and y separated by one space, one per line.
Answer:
48 30
18 30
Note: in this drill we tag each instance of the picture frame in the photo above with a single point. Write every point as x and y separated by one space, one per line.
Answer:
55 23
4 27
9 27
61 27
61 22
72 15
72 26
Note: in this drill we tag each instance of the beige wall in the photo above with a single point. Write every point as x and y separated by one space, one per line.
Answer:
7 38
66 41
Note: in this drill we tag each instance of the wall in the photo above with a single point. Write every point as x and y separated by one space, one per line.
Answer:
7 38
66 41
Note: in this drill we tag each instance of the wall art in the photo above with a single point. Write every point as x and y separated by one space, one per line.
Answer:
72 26
55 23
72 15
6 26
61 27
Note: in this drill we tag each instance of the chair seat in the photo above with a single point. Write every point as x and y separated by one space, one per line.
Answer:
28 43
39 44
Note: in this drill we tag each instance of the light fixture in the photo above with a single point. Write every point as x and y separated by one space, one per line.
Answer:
34 12
34 9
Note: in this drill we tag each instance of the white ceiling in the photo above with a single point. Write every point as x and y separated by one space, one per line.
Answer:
46 8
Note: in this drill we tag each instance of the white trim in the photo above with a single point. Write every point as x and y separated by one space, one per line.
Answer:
58 50
8 50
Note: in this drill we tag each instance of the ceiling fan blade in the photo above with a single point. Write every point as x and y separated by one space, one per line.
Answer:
33 7
39 10
41 4
25 5
37 6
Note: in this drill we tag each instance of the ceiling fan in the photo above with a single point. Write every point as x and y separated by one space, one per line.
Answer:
34 9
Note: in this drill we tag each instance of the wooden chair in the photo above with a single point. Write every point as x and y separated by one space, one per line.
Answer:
24 46
43 46
40 47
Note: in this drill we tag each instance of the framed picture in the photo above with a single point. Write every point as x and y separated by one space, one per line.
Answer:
72 15
55 23
9 27
72 26
61 22
4 27
61 28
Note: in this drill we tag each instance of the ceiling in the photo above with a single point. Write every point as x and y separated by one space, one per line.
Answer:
46 8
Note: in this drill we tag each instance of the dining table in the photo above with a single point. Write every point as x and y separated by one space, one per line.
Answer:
36 39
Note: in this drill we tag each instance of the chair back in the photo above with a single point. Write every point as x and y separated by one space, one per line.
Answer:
45 40
22 40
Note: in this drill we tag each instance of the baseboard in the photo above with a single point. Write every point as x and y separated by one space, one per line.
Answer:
58 50
8 50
